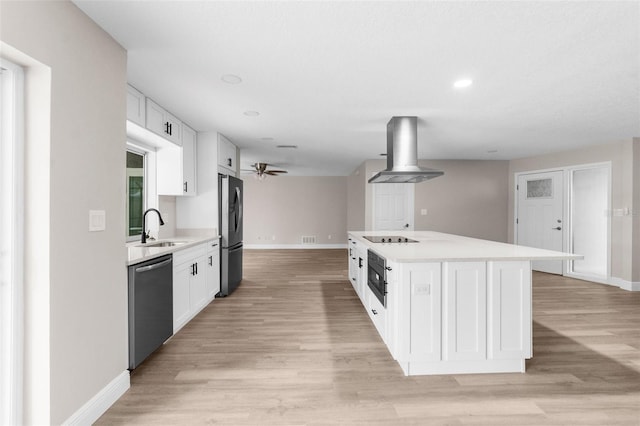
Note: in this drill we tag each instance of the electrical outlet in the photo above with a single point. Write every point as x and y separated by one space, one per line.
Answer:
423 212
273 238
329 237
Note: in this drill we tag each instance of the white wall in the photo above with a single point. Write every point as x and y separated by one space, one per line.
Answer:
76 286
289 207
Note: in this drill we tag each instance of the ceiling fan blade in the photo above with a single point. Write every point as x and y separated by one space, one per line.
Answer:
277 171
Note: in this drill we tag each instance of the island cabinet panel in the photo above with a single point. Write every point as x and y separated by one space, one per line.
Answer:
509 299
465 311
425 311
353 263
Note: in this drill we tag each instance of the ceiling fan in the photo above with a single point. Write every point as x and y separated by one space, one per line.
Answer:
261 171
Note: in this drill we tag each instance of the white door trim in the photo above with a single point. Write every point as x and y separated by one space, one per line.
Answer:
567 243
565 213
12 244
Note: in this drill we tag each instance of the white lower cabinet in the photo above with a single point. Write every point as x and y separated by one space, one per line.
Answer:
509 299
212 276
362 274
465 311
424 287
189 284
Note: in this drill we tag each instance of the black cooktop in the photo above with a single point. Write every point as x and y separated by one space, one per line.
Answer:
389 239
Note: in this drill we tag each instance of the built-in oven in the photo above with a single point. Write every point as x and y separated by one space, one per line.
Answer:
377 276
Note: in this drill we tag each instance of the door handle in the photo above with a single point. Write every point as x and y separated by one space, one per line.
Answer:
557 228
154 266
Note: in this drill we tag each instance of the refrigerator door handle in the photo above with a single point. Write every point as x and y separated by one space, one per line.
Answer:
239 209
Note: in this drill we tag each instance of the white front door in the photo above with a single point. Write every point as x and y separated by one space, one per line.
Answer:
393 206
539 217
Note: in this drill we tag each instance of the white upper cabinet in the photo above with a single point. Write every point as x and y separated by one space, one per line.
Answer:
136 106
227 155
163 123
188 160
177 166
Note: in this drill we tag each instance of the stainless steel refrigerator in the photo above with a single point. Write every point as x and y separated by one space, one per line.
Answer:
230 225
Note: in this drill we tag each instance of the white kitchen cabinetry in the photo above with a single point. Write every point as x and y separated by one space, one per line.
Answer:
455 305
465 311
189 284
136 106
419 288
188 160
509 322
363 272
163 123
212 277
353 264
226 155
377 312
177 166
358 269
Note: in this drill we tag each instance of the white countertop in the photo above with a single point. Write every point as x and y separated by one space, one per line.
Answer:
137 252
439 247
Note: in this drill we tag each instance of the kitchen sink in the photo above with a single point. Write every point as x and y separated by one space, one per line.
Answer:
164 244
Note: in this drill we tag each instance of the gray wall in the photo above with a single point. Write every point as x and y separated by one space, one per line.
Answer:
621 156
75 280
470 199
289 207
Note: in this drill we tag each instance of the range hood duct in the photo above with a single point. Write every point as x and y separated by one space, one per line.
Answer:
402 154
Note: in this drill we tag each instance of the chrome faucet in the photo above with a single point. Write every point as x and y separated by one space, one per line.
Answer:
144 225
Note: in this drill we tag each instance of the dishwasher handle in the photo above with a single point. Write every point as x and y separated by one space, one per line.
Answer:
154 266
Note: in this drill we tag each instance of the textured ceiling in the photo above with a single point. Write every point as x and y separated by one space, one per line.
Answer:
327 76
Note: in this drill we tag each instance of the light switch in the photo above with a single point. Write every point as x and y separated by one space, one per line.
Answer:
423 212
97 220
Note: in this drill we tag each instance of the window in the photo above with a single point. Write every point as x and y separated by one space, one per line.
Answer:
541 188
11 237
136 192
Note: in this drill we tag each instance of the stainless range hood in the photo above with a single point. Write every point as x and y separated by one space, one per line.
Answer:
402 154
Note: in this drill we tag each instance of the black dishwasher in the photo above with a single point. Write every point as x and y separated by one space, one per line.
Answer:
150 307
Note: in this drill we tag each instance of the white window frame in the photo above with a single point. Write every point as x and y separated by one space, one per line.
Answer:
11 241
143 153
150 186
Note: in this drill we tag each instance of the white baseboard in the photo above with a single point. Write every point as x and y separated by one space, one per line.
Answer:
624 284
612 281
96 406
293 246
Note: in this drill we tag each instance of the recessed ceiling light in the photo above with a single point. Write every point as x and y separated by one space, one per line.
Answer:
231 79
251 113
462 83
287 146
266 139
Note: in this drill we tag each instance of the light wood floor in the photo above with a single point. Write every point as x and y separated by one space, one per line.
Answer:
293 346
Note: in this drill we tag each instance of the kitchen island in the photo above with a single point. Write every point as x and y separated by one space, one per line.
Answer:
449 304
